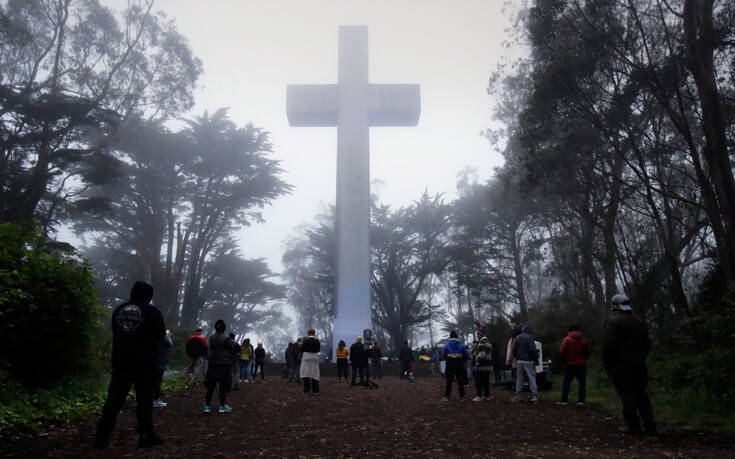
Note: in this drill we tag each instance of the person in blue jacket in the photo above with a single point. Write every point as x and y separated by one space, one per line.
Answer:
455 355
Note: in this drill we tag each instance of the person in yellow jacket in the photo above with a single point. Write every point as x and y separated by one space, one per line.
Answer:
246 356
342 354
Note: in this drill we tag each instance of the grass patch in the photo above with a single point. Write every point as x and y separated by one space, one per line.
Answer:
24 411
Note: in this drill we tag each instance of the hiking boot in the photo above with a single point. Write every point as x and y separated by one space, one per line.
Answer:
225 409
207 409
148 440
561 403
159 404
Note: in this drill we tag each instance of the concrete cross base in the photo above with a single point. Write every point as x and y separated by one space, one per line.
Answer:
347 329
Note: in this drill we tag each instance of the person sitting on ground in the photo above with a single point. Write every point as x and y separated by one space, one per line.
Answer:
525 353
482 360
259 361
455 356
342 354
358 359
309 371
574 351
219 371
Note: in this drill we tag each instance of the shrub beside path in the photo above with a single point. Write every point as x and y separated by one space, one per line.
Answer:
276 419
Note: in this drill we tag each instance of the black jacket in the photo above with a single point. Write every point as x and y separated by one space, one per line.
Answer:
137 327
625 341
406 355
358 358
524 348
259 354
220 349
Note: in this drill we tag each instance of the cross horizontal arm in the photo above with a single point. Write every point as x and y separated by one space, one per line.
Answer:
312 104
394 104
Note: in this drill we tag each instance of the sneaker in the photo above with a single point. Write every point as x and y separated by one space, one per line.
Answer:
461 399
561 403
486 398
478 399
207 409
225 409
534 400
579 404
159 404
516 400
444 399
148 440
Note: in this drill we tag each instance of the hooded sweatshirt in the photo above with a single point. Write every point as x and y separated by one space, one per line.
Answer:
137 327
574 349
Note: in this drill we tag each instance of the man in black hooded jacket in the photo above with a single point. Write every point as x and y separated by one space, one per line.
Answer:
136 329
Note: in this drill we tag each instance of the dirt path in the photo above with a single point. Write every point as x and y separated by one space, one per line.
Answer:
276 419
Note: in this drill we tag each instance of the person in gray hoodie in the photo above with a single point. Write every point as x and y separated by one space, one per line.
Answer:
524 351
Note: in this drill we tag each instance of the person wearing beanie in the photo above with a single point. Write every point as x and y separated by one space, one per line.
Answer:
137 327
526 354
455 355
625 345
575 352
219 372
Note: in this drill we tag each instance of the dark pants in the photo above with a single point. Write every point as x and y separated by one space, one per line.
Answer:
120 385
342 368
295 369
358 369
405 368
496 371
377 370
570 373
452 369
631 383
258 365
157 381
482 383
218 374
311 384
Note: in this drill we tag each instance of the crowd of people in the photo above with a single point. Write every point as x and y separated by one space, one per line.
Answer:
141 346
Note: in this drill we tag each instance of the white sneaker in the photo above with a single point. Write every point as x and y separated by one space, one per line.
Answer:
159 404
478 399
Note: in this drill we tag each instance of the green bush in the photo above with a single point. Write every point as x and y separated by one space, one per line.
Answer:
49 316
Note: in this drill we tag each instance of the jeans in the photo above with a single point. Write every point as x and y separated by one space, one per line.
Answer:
571 372
244 367
526 371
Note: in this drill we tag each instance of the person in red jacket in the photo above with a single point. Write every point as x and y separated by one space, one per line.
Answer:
575 352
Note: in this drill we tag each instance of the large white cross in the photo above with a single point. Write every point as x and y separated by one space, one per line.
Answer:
353 105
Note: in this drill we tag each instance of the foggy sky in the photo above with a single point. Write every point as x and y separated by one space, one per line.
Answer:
252 49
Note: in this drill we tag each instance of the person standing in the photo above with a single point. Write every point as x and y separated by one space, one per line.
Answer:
625 346
575 352
483 363
289 361
309 370
455 355
137 327
162 354
259 362
358 360
525 353
406 357
376 358
235 370
196 350
342 354
246 357
510 360
497 360
296 355
219 371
